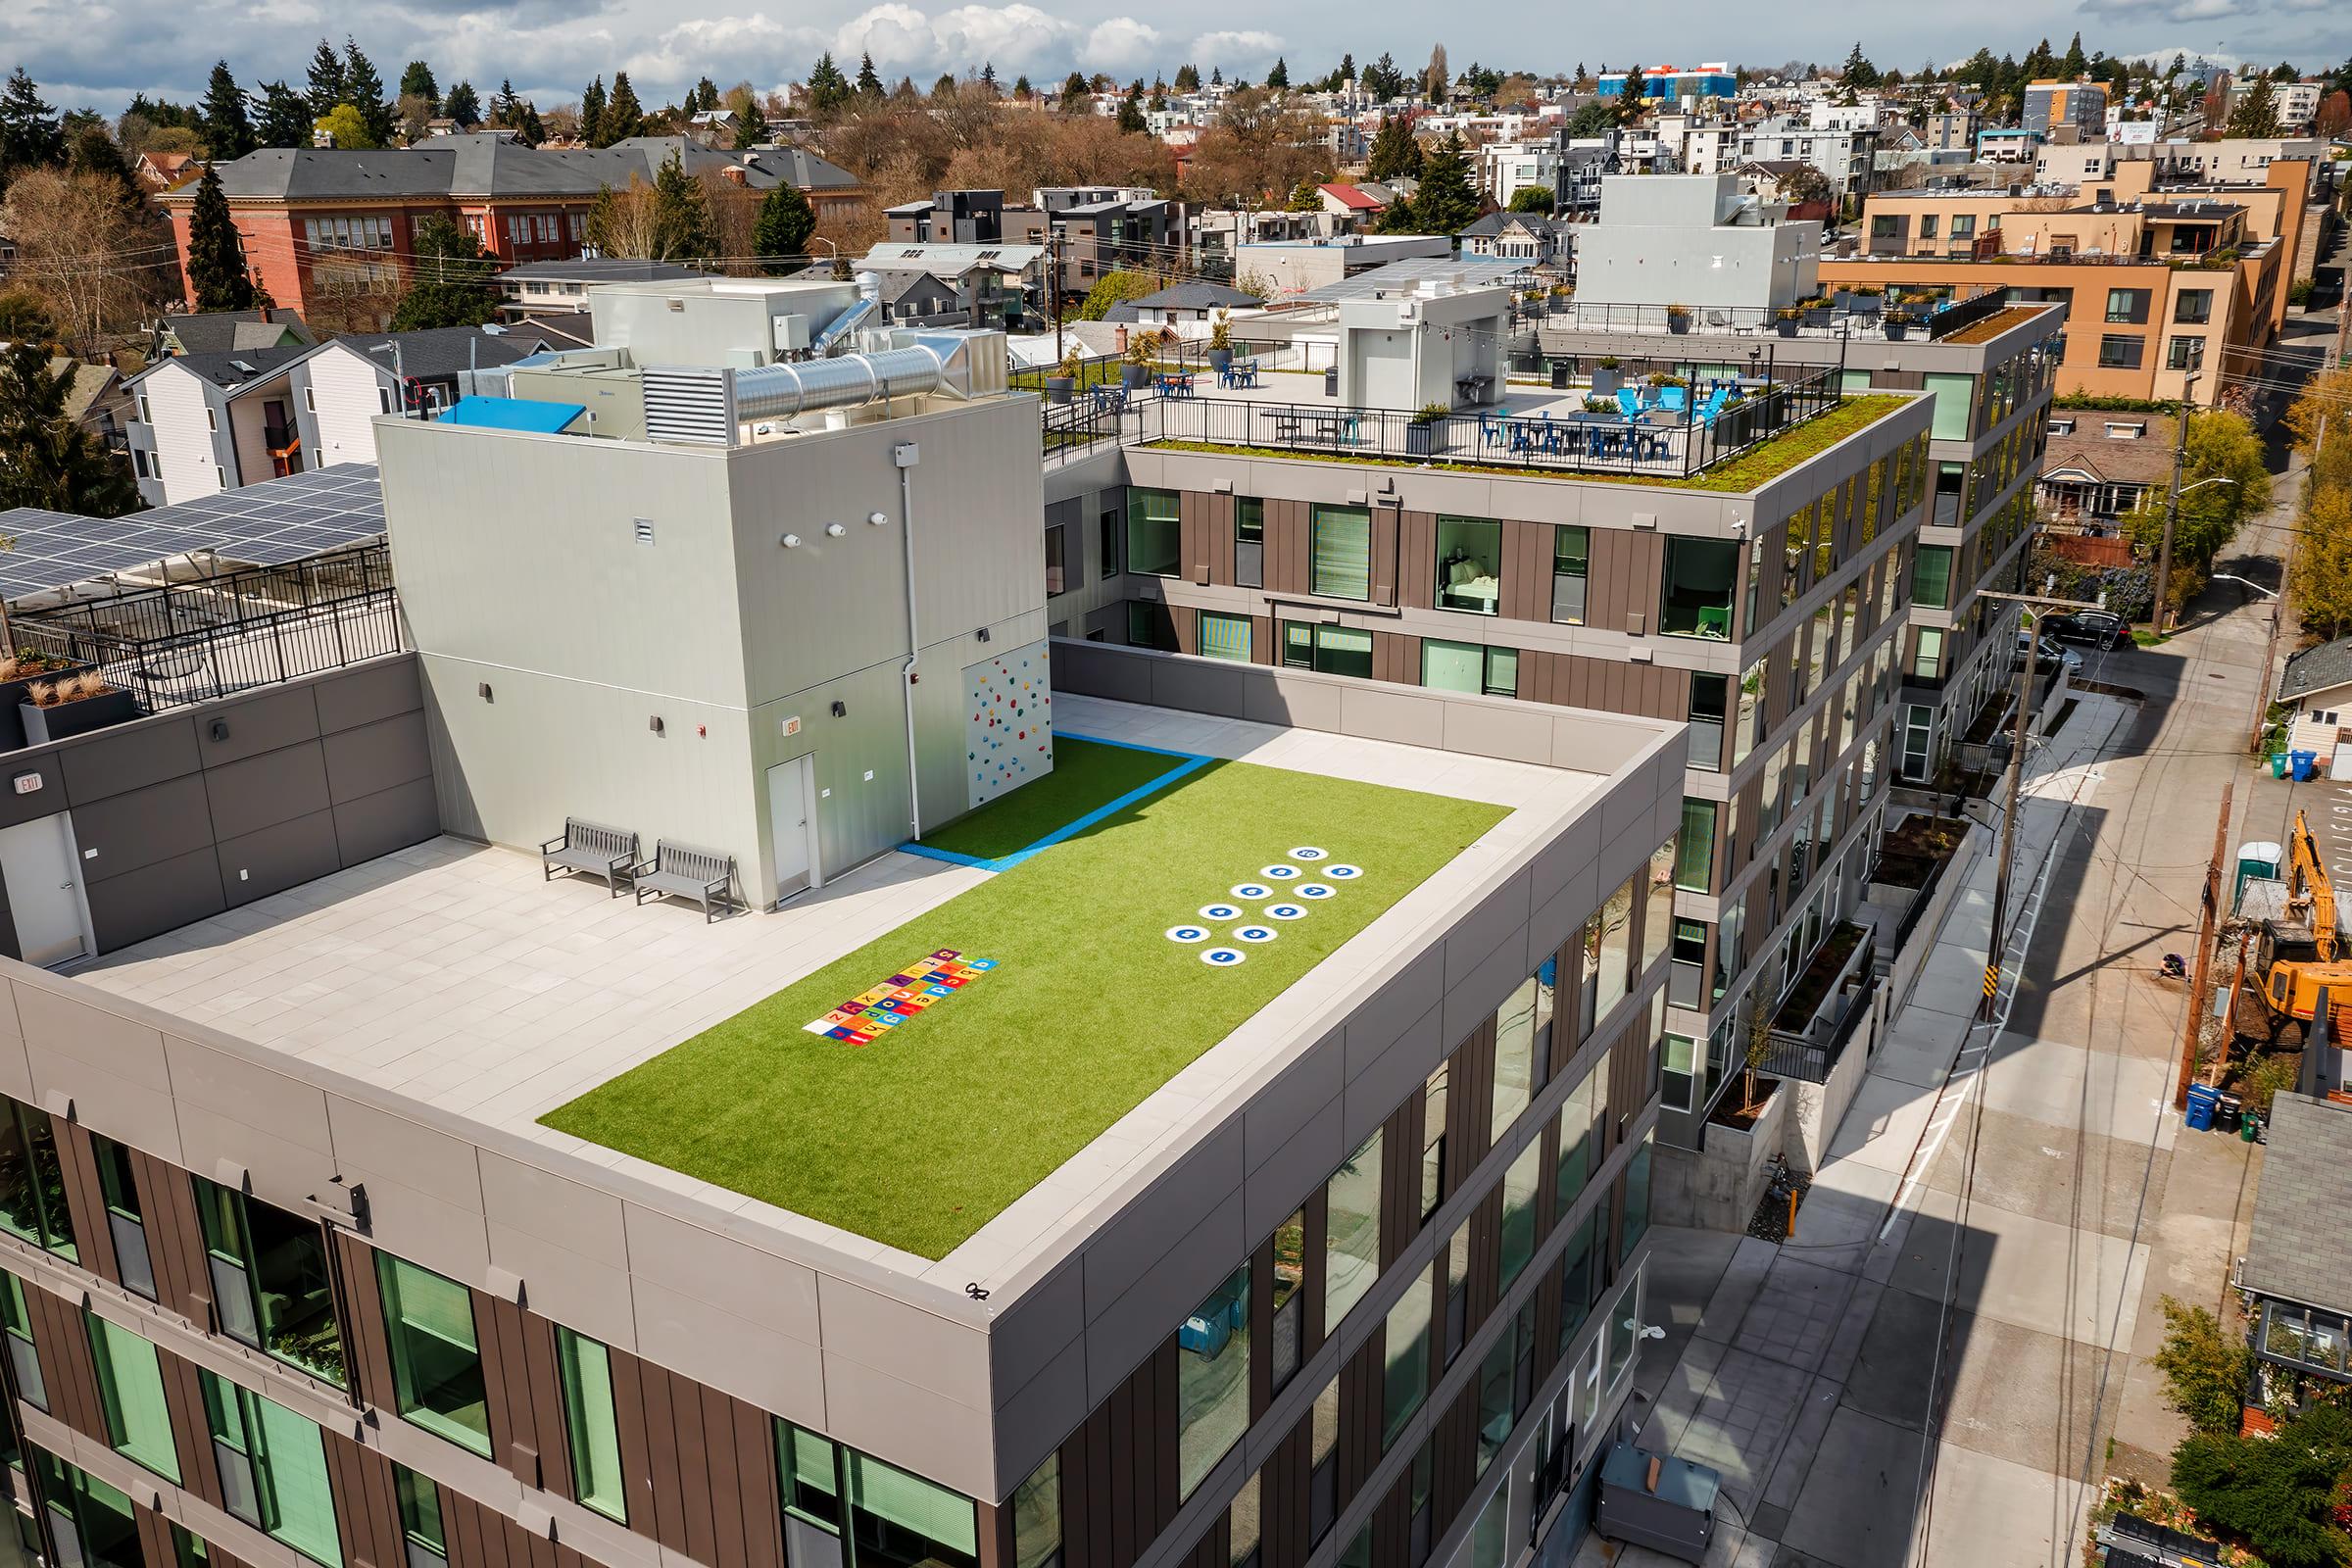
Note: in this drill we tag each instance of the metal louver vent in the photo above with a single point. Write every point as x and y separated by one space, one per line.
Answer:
690 403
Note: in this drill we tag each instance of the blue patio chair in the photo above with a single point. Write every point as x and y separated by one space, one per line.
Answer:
1716 400
1629 403
1674 398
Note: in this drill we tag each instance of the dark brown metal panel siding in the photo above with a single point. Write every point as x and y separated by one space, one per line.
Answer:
546 1388
85 1201
175 1237
1218 520
694 1470
366 1543
1166 1471
636 1457
155 1536
513 1438
1469 1104
728 1517
670 1524
1119 1427
1384 525
1192 534
755 1480
1263 647
1417 559
191 1433
1647 575
1392 1524
1485 1256
369 1356
64 1349
1282 1502
1185 623
1399 1179
1360 1389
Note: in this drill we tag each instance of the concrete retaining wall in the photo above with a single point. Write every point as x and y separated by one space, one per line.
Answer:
1718 1186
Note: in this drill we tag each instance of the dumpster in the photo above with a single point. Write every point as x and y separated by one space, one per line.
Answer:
2228 1113
2203 1100
1650 1499
2300 764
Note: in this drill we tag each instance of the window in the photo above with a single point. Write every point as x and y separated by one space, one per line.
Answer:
1636 1198
1322 1462
1882 225
309 400
1108 527
1433 1140
1469 667
1248 542
2193 307
1689 956
1212 1380
146 415
420 1517
1290 1309
1243 1529
1351 1232
810 1476
585 1368
1680 1072
1150 625
1496 1416
1927 225
1625 1326
1056 553
1571 558
1470 564
1931 577
1457 1289
272 1469
1577 1143
1955 407
1695 850
1709 695
1405 1384
140 464
91 1521
2128 304
32 1183
1608 949
895 1520
130 1395
436 1359
1155 538
1520 1181
1037 1517
15 1326
1926 664
1342 538
189 1550
271 1283
1225 637
1698 598
2182 353
1328 649
1523 1015
2119 352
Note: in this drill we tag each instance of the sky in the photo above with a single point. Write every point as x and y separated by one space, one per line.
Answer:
99 52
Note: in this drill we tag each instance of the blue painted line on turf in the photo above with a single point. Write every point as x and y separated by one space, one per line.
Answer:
1192 764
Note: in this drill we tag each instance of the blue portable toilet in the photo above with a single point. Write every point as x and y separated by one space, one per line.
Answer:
2202 1099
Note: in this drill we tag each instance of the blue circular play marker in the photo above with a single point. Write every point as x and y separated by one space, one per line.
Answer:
1285 912
1188 933
1279 873
1250 890
1220 912
1315 890
1307 852
1253 933
1223 957
1342 873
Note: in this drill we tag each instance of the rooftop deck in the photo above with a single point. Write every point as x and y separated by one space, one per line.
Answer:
450 972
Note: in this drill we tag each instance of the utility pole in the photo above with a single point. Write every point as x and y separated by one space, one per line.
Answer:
2200 990
2172 501
1054 283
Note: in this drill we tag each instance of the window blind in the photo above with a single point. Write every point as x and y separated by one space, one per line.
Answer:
1225 637
1343 553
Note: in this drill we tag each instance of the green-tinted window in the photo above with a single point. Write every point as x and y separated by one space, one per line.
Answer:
421 1514
1694 849
436 1357
811 1476
1150 625
17 1327
1519 1181
1154 543
126 1217
130 1393
1571 558
32 1185
1637 1198
1212 1380
92 1521
1469 667
1225 637
1330 650
1405 1381
189 1550
1343 550
272 1467
1955 397
586 1370
270 1280
1037 1515
1931 577
899 1520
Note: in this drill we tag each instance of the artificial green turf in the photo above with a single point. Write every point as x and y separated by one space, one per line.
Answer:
920 1138
1086 776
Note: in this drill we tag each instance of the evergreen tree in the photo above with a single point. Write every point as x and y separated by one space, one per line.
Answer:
217 270
828 88
1634 97
1280 77
1022 90
327 80
31 133
2257 111
92 151
705 96
1394 152
1131 110
1159 95
1346 66
682 212
945 87
1303 198
592 113
869 83
48 458
1074 93
2073 64
1446 202
1216 76
450 280
749 129
364 90
1859 71
622 118
416 82
781 236
285 117
1187 78
463 105
988 74
228 127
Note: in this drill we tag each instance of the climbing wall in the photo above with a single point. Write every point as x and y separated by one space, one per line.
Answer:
1008 723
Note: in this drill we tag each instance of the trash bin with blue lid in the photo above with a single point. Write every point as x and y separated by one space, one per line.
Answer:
2203 1100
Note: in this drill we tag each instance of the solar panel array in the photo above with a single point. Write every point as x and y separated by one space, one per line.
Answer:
265 524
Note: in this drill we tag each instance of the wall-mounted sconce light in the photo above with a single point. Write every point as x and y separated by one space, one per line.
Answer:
654 723
841 710
791 541
220 729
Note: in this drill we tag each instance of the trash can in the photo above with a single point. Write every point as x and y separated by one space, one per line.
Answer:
1559 376
2251 1131
2202 1101
2277 764
1331 382
2299 764
2228 1113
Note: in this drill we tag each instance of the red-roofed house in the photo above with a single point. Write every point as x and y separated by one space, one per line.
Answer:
1350 202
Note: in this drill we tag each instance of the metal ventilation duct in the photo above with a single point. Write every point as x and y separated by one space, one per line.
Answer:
955 363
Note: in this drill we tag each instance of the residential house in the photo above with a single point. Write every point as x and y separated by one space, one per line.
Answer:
160 171
1183 304
1530 237
2100 467
1846 155
1358 207
989 283
268 326
2296 1275
561 287
2317 684
1508 168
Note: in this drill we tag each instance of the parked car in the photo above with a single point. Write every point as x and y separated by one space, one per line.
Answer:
2048 649
2101 628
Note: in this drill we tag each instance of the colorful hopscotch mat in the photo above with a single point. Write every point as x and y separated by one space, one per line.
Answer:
900 999
1282 892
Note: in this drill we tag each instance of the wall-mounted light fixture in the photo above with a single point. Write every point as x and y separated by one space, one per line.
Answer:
220 729
984 634
791 541
484 691
654 723
841 710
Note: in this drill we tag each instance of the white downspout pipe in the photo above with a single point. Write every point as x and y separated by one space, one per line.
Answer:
907 454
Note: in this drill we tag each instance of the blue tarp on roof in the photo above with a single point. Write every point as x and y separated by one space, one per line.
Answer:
512 414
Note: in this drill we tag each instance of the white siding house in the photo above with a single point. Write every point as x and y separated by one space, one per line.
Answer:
174 401
344 393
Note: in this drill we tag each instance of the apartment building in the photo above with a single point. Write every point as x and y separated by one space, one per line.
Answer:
2065 111
1352 1268
1846 154
1672 83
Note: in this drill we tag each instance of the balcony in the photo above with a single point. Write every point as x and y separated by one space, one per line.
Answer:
1818 1015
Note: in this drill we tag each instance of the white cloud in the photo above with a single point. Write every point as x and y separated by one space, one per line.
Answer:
1247 53
1122 46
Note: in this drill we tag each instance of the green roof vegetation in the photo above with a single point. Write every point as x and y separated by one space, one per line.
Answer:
1758 466
920 1138
1086 776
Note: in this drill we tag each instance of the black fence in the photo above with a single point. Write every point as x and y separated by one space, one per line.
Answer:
1967 313
202 664
1810 1061
224 603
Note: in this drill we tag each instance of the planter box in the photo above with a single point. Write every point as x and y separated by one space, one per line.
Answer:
1132 376
12 698
1057 389
1842 298
1817 316
65 719
1785 328
1896 331
1606 379
1678 324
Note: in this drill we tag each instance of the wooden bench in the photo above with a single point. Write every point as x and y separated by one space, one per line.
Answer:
591 846
686 871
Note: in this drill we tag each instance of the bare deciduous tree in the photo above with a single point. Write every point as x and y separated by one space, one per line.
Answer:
97 261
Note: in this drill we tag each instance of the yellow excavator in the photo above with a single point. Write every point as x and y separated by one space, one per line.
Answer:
2298 951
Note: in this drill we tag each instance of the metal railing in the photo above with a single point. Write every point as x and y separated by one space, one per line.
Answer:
1579 315
1573 442
1809 1058
204 663
1966 314
223 602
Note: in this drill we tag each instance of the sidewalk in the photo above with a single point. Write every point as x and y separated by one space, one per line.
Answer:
1805 1378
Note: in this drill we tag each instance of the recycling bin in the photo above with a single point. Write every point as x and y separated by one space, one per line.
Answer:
2300 765
2277 764
2251 1131
2203 1100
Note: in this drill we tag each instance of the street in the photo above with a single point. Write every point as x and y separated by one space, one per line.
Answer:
1950 1356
